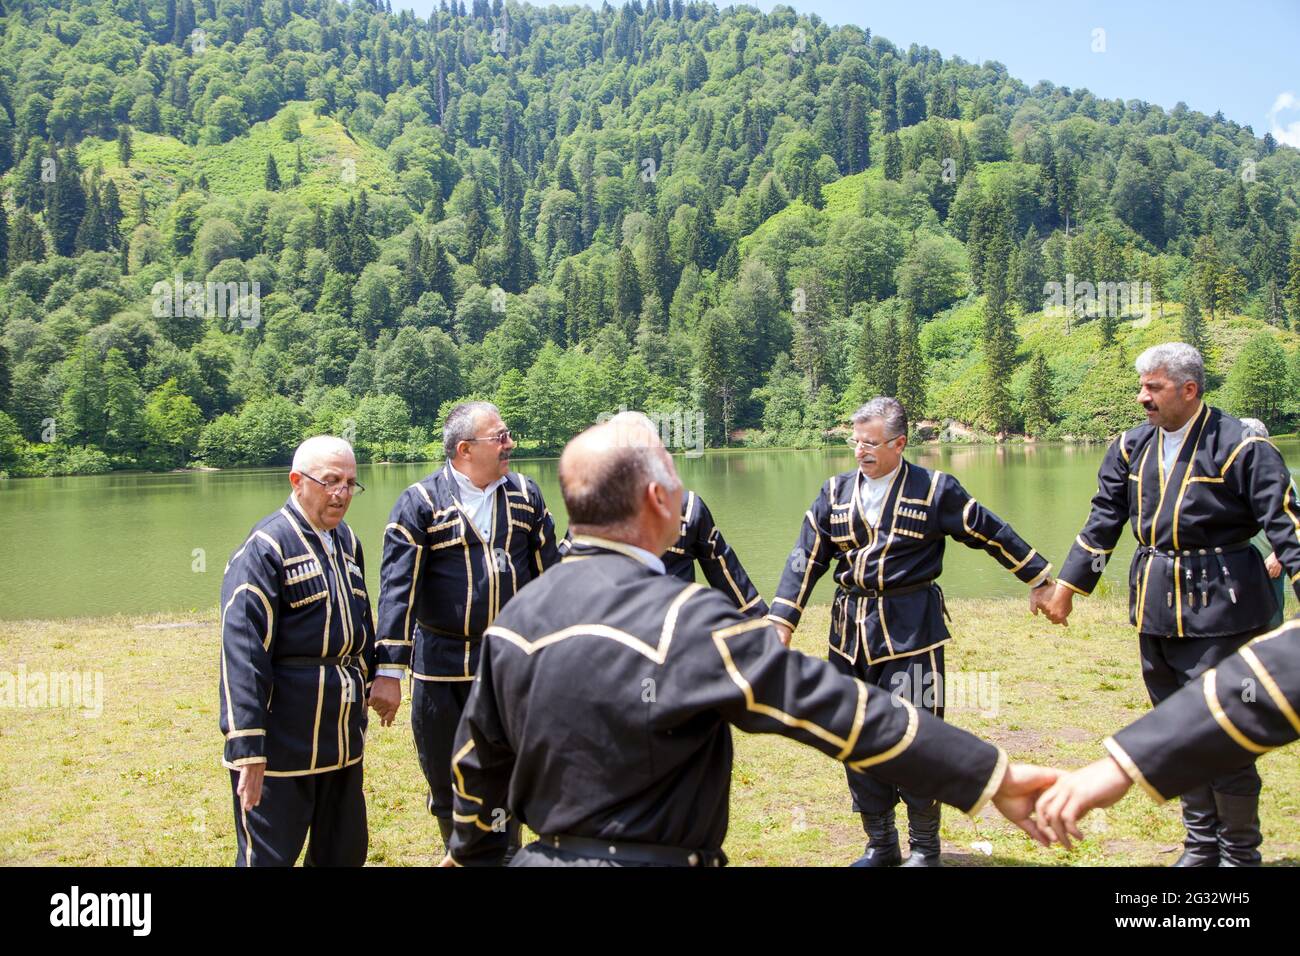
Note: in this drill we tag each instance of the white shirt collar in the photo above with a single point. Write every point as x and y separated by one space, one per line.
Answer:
467 485
882 481
632 551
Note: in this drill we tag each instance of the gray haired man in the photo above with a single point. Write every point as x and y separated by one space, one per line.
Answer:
459 544
1195 486
884 526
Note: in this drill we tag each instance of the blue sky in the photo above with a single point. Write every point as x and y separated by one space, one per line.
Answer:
1239 57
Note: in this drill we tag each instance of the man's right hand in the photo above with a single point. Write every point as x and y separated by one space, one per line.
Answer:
784 632
1065 803
385 698
250 785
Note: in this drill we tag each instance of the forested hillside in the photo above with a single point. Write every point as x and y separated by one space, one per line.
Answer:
662 205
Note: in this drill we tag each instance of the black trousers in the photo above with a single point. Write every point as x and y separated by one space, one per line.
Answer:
436 707
1170 662
918 679
330 807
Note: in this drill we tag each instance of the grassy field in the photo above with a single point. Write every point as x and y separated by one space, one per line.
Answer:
141 784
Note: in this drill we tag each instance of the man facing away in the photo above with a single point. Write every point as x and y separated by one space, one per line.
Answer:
459 543
297 661
884 526
606 689
1195 488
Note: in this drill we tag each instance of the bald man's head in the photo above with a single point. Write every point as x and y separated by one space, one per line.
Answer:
319 449
321 463
606 471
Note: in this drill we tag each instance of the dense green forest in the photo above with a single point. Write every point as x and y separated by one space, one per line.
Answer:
662 205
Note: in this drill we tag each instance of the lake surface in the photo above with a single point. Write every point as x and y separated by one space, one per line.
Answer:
138 543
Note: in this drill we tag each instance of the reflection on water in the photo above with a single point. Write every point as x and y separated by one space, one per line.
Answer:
130 543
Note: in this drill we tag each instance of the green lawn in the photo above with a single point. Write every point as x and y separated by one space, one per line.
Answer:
142 783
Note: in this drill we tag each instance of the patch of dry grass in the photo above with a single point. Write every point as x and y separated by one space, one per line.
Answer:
142 783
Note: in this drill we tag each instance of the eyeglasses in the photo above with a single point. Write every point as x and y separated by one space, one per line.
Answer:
873 445
500 437
353 488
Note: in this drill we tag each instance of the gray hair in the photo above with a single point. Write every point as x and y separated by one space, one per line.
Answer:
1253 428
462 422
1180 361
888 410
312 450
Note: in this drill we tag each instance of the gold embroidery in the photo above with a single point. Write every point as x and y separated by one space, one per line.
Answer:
1209 685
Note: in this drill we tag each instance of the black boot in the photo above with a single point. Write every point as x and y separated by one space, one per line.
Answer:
882 840
444 827
923 836
1201 820
1239 836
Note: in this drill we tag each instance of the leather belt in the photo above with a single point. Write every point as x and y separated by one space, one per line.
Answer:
633 852
1192 552
890 592
439 632
347 660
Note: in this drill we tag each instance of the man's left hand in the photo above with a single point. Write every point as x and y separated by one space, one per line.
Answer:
1273 565
1040 599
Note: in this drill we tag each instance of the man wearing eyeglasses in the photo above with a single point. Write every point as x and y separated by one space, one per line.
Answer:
884 524
459 544
297 662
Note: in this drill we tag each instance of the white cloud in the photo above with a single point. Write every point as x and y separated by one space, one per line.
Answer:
1285 132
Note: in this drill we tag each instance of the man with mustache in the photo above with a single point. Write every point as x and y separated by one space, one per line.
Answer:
884 525
1195 487
459 544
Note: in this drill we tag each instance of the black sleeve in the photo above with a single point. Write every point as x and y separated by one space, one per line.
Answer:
722 567
1262 478
405 538
1241 709
760 686
250 599
964 519
481 765
541 539
1092 547
811 556
368 650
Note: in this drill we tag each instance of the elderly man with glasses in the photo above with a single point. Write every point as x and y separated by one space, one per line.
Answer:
297 661
884 525
459 544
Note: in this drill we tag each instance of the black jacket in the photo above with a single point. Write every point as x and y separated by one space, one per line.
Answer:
284 595
440 573
1195 573
921 511
604 699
